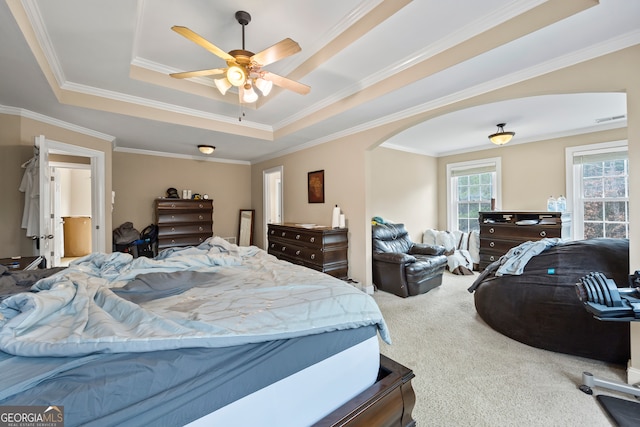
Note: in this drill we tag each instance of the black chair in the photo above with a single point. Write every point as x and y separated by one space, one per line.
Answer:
402 267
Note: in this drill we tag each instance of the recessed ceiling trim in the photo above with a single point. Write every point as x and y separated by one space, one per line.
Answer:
346 22
603 48
136 100
476 28
32 12
14 111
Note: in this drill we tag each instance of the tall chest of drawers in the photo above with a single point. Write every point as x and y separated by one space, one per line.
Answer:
501 231
183 222
320 248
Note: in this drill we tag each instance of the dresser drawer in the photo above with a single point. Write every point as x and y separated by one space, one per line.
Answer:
490 245
178 229
298 236
179 217
180 204
521 232
182 240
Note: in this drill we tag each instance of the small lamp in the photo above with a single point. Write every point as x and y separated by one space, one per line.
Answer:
206 149
501 137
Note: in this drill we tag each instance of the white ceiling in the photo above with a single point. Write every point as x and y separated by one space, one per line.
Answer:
103 66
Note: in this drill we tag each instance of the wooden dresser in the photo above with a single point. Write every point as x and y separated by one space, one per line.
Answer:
502 230
183 222
320 248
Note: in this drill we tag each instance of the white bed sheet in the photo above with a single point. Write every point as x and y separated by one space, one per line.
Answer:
307 396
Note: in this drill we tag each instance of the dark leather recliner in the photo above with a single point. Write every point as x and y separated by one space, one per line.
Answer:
402 267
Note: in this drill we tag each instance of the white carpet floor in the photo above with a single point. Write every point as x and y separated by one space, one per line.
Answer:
467 374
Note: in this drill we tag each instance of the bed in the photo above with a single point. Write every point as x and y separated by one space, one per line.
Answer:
209 335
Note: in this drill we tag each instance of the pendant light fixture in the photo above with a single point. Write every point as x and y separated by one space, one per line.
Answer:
501 137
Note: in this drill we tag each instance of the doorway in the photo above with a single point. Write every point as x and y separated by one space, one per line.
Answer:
272 196
50 202
71 208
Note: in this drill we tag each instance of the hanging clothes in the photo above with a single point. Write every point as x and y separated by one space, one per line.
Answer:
30 186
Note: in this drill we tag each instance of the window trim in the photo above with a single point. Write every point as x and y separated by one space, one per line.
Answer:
571 177
452 223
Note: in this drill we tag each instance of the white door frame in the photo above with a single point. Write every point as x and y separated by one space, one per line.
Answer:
271 200
98 184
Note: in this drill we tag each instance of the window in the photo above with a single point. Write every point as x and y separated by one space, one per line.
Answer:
472 187
600 191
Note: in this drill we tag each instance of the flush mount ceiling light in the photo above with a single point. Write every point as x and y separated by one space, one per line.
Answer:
206 149
501 137
244 68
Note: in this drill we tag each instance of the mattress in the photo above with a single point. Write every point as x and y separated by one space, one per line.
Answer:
307 396
176 387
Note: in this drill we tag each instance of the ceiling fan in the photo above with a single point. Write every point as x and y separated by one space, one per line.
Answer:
244 68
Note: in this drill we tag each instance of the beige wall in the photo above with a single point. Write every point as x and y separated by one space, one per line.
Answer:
404 189
138 179
530 172
17 137
348 162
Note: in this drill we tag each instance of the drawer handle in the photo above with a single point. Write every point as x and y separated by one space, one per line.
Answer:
284 248
201 205
173 217
173 240
173 229
491 258
200 239
297 237
298 252
313 239
491 230
273 232
200 228
173 205
543 233
200 217
313 256
492 244
273 245
283 233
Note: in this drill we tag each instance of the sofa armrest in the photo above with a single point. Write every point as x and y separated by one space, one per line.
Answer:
426 249
394 257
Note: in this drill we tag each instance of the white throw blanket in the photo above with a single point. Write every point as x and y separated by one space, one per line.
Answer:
462 249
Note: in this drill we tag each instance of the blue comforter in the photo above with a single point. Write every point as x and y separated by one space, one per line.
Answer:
213 295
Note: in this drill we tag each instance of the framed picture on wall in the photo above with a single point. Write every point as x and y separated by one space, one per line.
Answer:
315 184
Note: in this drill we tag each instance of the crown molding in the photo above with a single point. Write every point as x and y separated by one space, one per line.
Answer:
178 156
14 111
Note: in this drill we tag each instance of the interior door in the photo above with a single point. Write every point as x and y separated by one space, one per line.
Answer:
272 196
46 242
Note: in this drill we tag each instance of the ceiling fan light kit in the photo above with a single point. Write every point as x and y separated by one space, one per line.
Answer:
501 137
206 149
244 68
223 85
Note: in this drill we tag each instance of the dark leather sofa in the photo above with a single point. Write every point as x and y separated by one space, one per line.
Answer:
541 307
402 267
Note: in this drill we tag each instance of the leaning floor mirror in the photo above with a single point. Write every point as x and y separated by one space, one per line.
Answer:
245 229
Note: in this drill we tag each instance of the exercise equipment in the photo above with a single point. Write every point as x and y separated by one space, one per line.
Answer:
602 298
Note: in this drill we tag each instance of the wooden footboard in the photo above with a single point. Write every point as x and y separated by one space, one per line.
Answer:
388 402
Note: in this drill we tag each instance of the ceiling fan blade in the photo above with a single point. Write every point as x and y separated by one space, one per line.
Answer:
286 83
185 32
278 51
209 72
